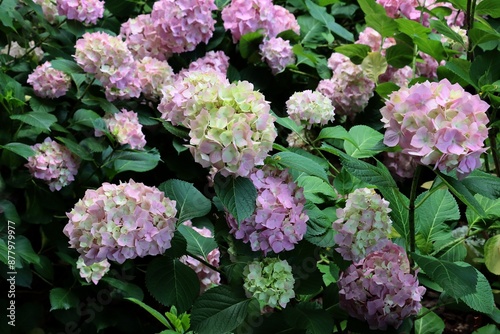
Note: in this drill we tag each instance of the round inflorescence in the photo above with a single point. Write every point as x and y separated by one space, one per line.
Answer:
279 220
49 9
153 75
53 163
125 127
439 124
121 222
85 11
309 108
277 53
363 225
212 60
94 272
270 282
48 82
17 51
380 289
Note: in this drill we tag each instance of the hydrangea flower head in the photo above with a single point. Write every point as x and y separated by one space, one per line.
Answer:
125 127
279 220
380 289
401 164
207 276
309 108
85 11
277 53
49 9
121 222
112 63
94 272
53 163
363 225
183 24
212 60
233 131
153 74
349 89
438 123
270 282
17 51
48 82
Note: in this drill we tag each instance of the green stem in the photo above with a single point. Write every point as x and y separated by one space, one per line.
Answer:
469 24
411 213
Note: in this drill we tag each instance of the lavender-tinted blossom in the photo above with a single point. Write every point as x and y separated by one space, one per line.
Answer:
309 108
380 288
121 222
279 220
48 82
270 282
49 9
85 11
277 53
53 163
153 75
401 164
363 225
212 60
125 127
94 272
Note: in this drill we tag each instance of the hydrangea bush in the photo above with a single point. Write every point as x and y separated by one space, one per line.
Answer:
261 166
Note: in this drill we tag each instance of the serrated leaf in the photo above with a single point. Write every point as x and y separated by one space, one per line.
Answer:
311 31
307 316
300 163
456 280
288 123
128 289
218 311
482 183
335 132
196 243
439 207
151 311
190 202
430 323
75 148
238 195
319 226
490 207
320 14
136 161
20 149
176 131
383 24
355 52
374 65
62 299
482 299
315 189
364 142
249 43
371 7
399 204
37 119
84 117
492 254
24 252
65 65
171 282
488 7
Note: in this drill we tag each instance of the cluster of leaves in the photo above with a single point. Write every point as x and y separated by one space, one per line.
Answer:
52 297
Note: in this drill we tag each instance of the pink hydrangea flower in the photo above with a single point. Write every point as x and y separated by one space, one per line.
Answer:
183 24
380 288
277 53
53 163
94 272
86 11
143 40
49 9
439 124
279 220
17 51
363 225
121 222
125 127
233 130
212 60
309 108
401 164
348 88
112 63
242 17
207 276
48 82
153 75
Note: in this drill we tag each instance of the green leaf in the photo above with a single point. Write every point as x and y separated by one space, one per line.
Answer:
238 195
371 7
374 65
385 89
37 119
399 55
431 47
482 183
249 43
84 118
383 24
128 290
430 323
175 130
355 52
300 163
75 148
65 65
190 202
335 132
439 207
171 282
288 123
492 254
62 299
311 31
461 68
488 7
218 311
364 140
315 189
412 28
151 311
320 14
319 226
445 30
309 317
488 329
490 207
482 299
20 149
399 204
136 161
456 280
196 243
25 252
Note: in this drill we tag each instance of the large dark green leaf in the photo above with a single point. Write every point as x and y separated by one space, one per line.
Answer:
238 195
300 163
320 14
20 149
136 161
38 119
62 299
196 243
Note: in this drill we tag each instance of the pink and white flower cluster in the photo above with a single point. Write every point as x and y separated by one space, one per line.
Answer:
112 63
85 11
120 222
125 127
153 74
439 124
277 53
94 272
309 108
363 225
279 220
402 164
212 60
349 89
48 82
244 16
380 288
53 163
183 24
207 276
17 51
49 9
